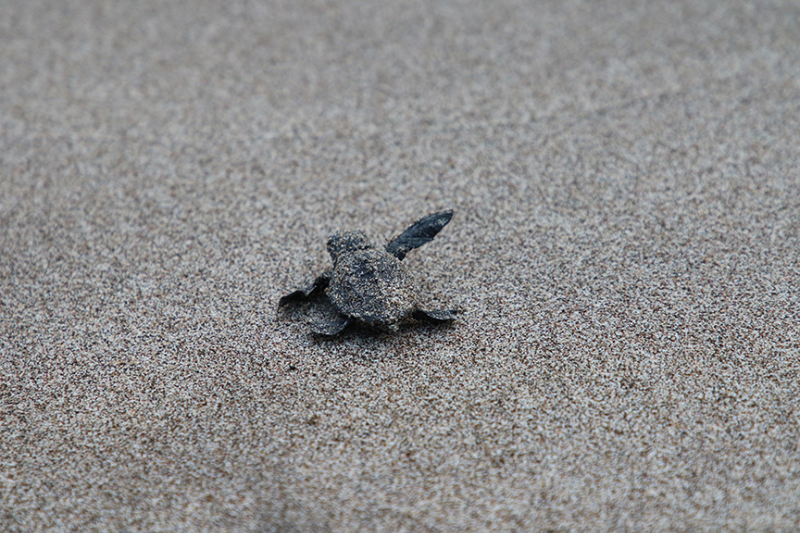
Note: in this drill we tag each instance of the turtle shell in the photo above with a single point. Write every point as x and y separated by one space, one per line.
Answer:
372 286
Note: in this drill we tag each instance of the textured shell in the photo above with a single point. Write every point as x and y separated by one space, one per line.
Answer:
372 286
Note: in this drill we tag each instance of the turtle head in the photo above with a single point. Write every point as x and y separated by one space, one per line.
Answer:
343 242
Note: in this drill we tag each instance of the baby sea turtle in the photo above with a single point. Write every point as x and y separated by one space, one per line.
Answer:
368 284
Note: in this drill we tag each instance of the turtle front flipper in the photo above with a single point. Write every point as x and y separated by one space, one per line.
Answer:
316 287
435 316
419 233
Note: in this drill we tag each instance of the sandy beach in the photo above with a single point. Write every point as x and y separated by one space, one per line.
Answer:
624 252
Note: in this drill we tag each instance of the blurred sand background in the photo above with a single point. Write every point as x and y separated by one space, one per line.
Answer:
625 250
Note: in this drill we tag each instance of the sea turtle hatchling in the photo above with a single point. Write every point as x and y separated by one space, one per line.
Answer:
368 284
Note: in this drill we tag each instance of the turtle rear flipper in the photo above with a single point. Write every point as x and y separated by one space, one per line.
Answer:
419 233
435 316
311 290
329 324
317 310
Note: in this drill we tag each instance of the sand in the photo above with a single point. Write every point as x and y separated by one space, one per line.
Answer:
624 250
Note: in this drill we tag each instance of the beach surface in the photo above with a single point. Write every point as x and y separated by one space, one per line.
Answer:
625 253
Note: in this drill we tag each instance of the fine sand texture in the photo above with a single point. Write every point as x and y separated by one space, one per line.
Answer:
625 253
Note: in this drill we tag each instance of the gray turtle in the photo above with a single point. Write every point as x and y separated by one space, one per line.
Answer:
370 285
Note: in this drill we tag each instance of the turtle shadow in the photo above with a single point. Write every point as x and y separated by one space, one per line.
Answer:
365 332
